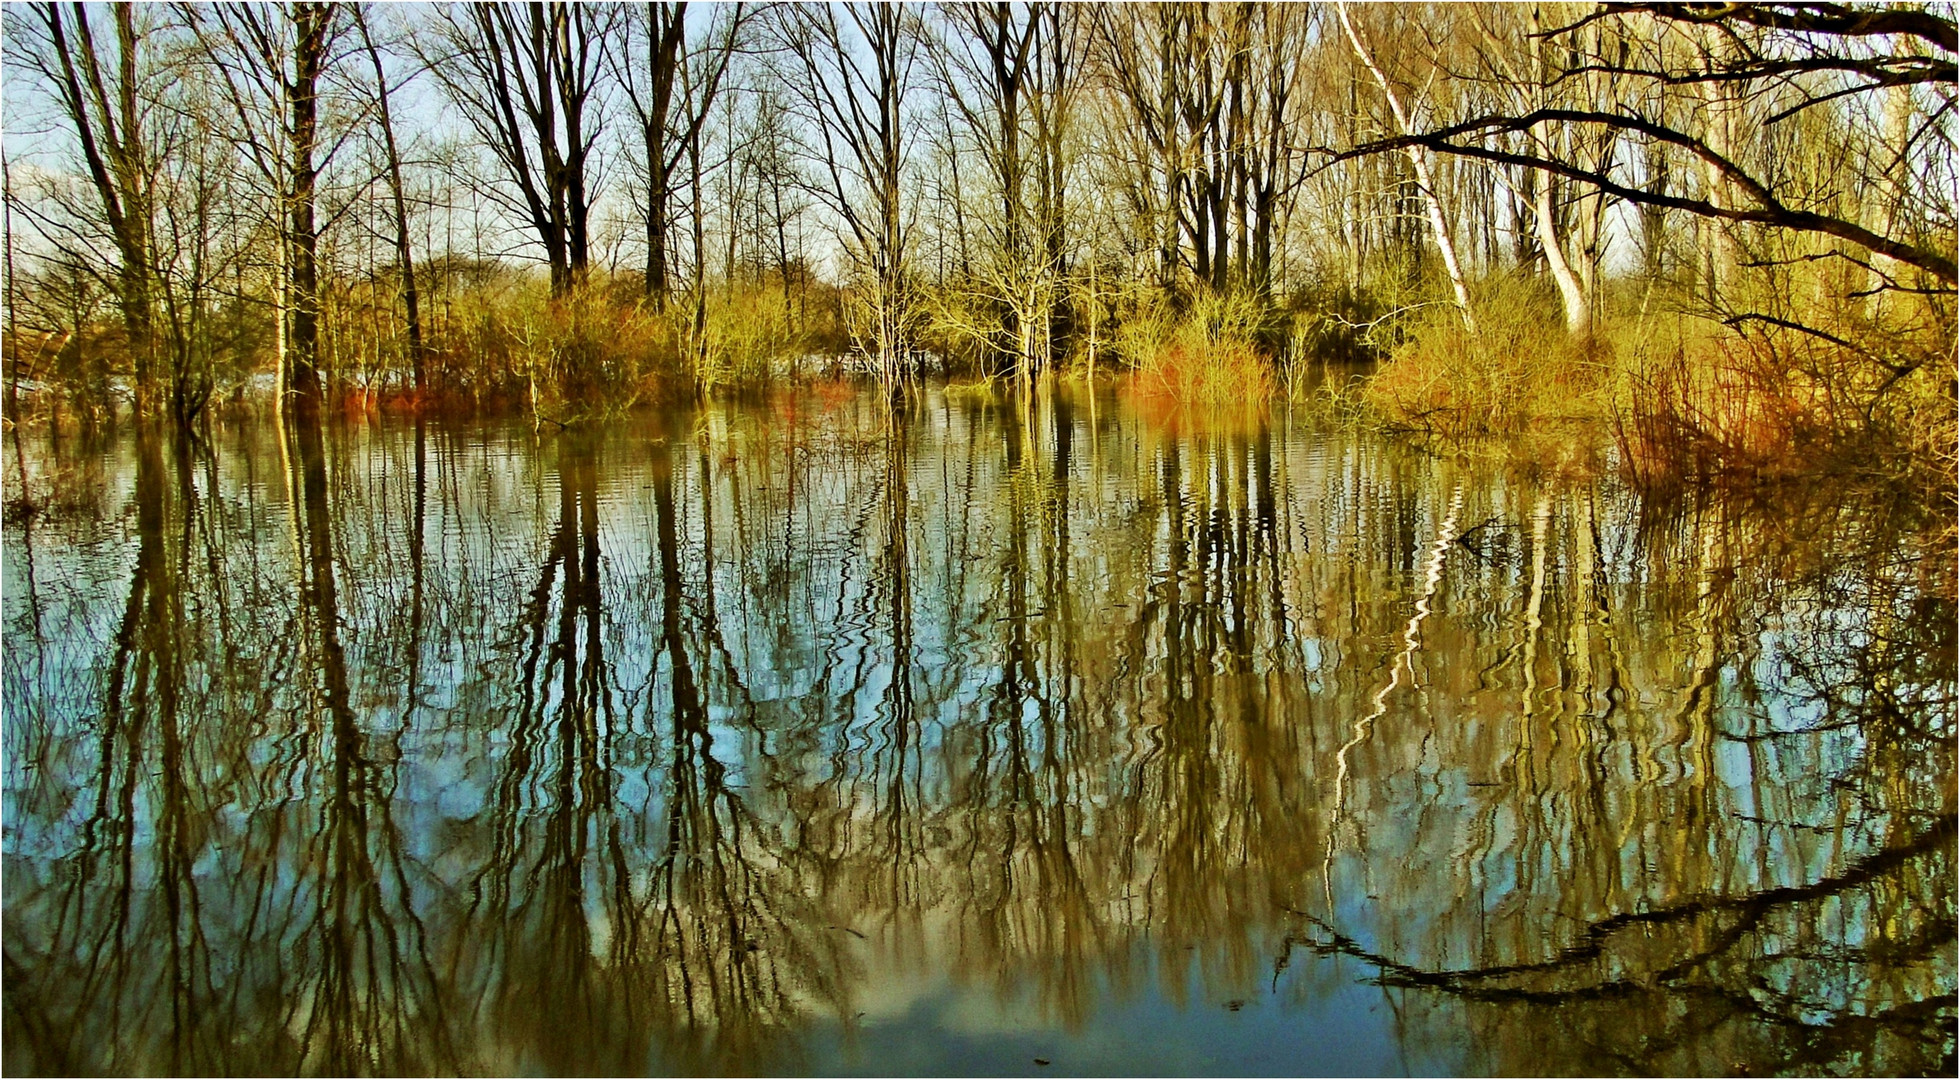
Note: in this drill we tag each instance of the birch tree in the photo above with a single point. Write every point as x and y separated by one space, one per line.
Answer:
1418 160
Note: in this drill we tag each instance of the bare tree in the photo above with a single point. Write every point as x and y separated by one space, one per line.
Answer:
524 77
653 62
1213 93
99 95
411 298
1808 38
207 228
661 29
850 77
1267 167
985 63
271 63
769 176
1438 221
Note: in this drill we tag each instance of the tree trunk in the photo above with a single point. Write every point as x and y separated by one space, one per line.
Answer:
1437 222
12 338
106 118
1572 294
700 320
1578 313
411 301
302 240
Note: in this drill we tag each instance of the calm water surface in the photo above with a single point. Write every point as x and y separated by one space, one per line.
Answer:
791 737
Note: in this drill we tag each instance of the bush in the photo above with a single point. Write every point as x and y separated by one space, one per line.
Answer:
1792 373
591 351
752 335
1519 369
1758 402
1208 355
1334 321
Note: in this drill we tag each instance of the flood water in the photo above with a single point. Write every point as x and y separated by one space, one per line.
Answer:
794 737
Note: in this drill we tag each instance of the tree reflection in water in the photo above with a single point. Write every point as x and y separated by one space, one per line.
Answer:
676 744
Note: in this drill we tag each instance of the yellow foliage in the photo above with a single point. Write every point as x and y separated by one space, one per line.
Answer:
1209 355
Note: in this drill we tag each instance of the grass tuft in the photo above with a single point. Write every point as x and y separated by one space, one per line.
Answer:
1209 355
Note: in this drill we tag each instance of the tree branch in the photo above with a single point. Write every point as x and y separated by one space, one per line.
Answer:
1769 210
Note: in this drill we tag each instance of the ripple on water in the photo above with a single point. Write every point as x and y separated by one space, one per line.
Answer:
806 743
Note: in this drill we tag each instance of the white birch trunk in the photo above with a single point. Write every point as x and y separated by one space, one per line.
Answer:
1578 312
1438 225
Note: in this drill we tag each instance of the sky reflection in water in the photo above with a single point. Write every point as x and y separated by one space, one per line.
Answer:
786 737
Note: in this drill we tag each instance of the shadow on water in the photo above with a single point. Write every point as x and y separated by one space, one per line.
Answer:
809 737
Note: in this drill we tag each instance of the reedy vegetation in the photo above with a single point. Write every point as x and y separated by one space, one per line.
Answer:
1728 233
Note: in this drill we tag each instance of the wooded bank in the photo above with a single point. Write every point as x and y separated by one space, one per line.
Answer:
1729 230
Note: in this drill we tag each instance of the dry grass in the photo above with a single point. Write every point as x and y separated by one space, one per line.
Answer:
1208 356
1520 370
1760 390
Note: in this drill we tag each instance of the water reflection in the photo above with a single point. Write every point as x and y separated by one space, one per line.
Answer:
809 737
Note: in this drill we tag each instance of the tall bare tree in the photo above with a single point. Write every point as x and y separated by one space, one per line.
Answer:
404 253
1425 183
986 62
99 93
271 63
653 64
850 77
703 72
1783 42
525 77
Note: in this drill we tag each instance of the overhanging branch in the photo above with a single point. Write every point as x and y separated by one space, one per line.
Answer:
1768 210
